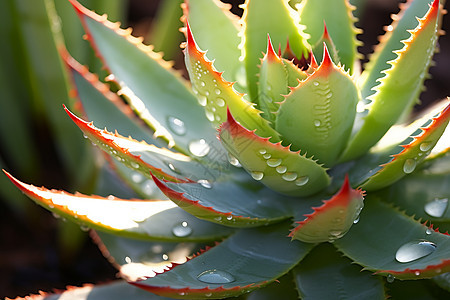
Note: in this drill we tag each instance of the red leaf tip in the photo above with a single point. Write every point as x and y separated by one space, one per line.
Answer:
271 56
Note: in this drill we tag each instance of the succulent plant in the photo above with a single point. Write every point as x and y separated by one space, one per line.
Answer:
276 170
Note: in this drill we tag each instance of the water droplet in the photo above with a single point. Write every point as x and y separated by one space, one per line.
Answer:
290 176
301 181
217 91
417 273
172 168
425 146
209 115
267 156
356 220
234 161
229 218
215 277
390 278
259 201
316 83
177 126
281 169
84 228
202 100
274 162
409 166
136 177
199 148
317 123
414 250
182 230
220 102
262 151
165 257
428 231
128 260
56 216
437 207
51 206
218 218
208 294
257 175
202 83
205 183
148 187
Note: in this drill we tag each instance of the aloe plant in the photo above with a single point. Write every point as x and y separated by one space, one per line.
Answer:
276 167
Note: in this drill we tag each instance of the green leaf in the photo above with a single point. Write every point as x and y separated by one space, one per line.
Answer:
229 202
247 260
149 220
256 28
417 290
117 290
275 166
340 23
317 116
390 42
375 242
283 288
273 83
344 280
333 219
216 30
400 87
148 83
218 95
405 162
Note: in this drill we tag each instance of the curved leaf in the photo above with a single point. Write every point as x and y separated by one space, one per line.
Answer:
382 230
340 22
333 219
343 280
247 260
216 94
317 116
148 83
399 89
150 220
205 17
256 28
228 203
276 166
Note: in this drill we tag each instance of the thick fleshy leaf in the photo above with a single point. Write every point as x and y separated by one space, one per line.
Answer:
137 259
216 94
150 220
229 202
256 28
101 105
276 166
399 89
333 219
326 39
157 94
392 244
317 116
247 260
405 162
216 29
340 22
417 290
146 158
282 288
117 290
343 279
390 42
273 83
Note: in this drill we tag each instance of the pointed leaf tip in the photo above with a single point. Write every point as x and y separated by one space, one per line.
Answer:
333 219
327 63
271 56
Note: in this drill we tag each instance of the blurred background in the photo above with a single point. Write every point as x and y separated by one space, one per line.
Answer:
39 145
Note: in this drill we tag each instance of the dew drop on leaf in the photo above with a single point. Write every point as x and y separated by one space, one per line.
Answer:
165 257
409 165
317 123
220 102
267 156
215 277
262 151
290 176
234 161
199 148
428 231
182 230
437 207
136 177
202 100
414 250
425 146
390 278
281 169
176 126
301 181
205 183
257 175
274 162
217 91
